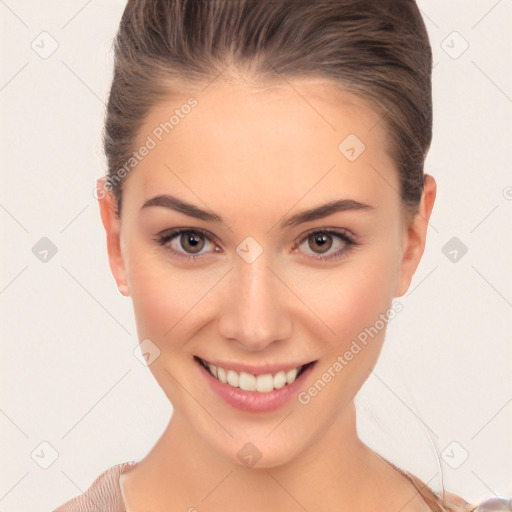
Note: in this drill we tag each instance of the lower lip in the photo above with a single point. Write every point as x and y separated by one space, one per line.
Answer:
254 401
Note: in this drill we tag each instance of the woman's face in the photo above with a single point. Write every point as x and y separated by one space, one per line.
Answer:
269 289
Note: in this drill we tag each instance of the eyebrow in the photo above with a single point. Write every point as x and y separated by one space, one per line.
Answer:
319 212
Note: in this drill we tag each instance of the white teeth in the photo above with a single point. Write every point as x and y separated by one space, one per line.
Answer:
232 378
279 380
221 375
264 383
291 375
248 382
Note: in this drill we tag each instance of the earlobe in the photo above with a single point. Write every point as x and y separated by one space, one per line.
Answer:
415 236
112 225
123 289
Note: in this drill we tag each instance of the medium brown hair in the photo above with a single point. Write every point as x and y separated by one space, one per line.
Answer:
377 49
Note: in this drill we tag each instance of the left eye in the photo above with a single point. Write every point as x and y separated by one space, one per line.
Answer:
323 239
188 243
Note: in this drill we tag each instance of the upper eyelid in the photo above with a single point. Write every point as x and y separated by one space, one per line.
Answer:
331 231
172 232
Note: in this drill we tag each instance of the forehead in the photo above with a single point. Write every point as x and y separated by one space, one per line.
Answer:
320 106
285 135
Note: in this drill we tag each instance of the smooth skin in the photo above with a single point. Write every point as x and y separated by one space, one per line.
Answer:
255 156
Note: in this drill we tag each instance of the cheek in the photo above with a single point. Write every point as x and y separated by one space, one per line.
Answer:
161 295
352 297
351 303
168 301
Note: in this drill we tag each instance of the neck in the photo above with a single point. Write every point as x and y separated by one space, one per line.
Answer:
334 471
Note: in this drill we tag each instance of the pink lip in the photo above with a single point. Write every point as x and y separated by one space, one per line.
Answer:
254 401
255 370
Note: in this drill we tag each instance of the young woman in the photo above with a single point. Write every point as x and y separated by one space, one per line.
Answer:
265 203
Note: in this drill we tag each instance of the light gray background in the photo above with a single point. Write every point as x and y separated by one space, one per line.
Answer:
69 377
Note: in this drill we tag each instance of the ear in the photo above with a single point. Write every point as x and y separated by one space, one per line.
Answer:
112 225
415 235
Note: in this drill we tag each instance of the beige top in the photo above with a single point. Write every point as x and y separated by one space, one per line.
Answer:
105 495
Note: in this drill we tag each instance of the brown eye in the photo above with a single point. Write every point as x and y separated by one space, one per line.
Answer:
188 244
323 245
320 242
191 241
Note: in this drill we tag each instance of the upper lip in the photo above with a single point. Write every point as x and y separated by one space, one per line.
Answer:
254 369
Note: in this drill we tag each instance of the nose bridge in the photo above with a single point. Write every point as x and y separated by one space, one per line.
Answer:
254 314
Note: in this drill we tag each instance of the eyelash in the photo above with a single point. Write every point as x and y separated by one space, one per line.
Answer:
168 236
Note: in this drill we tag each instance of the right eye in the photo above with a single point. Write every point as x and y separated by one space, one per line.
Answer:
185 243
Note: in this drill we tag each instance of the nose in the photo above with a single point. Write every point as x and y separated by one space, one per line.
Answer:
254 312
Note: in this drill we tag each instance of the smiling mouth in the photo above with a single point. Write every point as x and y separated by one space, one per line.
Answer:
263 383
